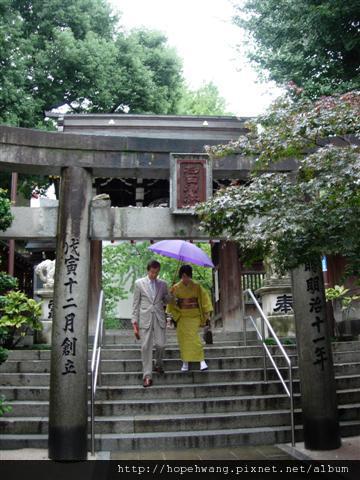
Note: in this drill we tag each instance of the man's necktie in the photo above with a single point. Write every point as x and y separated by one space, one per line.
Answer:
153 288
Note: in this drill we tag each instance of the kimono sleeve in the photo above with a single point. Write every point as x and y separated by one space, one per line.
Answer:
206 305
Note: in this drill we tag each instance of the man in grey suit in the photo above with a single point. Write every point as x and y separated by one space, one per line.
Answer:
148 319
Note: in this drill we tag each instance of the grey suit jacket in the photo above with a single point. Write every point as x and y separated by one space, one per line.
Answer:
145 306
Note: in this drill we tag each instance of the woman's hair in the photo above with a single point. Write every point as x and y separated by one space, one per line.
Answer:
187 269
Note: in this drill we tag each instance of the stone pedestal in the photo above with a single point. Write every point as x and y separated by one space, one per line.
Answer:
277 304
46 295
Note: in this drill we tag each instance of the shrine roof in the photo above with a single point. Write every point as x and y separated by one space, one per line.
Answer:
204 127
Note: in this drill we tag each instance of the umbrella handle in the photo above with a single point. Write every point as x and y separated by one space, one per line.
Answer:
176 272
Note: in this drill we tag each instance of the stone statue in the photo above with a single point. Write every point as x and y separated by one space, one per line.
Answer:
46 271
270 269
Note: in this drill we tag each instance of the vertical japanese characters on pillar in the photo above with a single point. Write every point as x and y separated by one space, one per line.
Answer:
68 345
316 315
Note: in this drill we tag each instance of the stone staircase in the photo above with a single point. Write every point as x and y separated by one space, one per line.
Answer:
227 405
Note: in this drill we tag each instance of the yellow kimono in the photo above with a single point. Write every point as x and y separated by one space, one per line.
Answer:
188 310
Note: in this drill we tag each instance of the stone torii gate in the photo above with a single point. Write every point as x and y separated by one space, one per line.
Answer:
77 158
136 150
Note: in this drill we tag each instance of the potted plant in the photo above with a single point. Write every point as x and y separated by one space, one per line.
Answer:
19 315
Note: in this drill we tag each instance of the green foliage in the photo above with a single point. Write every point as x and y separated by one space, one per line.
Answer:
151 74
6 217
111 322
73 52
206 100
126 262
339 292
3 355
7 282
4 408
18 315
291 127
315 44
335 293
303 215
26 184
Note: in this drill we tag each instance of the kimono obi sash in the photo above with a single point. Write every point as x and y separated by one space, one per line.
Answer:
188 303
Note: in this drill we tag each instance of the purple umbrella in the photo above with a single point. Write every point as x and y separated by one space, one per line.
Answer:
183 251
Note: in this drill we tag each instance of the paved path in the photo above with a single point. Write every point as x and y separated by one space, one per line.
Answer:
350 450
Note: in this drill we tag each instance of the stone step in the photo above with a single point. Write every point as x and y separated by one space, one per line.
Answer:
208 438
107 366
217 349
156 406
190 390
127 336
174 422
135 365
158 423
180 440
345 346
242 352
113 352
172 377
231 396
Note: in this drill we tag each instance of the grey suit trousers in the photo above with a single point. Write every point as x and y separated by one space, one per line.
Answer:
155 336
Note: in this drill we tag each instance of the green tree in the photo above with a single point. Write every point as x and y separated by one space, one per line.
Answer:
5 213
206 100
314 43
295 216
74 53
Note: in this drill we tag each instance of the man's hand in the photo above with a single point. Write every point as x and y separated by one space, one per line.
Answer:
136 330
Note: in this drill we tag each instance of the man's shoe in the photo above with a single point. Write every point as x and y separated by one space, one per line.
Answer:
147 382
203 366
185 367
159 370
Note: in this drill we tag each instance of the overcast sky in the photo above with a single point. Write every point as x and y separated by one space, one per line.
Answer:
204 37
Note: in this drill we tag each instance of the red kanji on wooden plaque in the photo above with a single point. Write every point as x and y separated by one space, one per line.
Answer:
191 181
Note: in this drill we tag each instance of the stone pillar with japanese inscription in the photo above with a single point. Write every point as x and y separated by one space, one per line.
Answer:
316 369
68 415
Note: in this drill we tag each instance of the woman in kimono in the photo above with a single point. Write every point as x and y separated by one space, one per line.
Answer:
190 309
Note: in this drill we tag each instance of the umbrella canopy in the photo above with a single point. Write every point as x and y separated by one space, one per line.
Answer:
183 251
